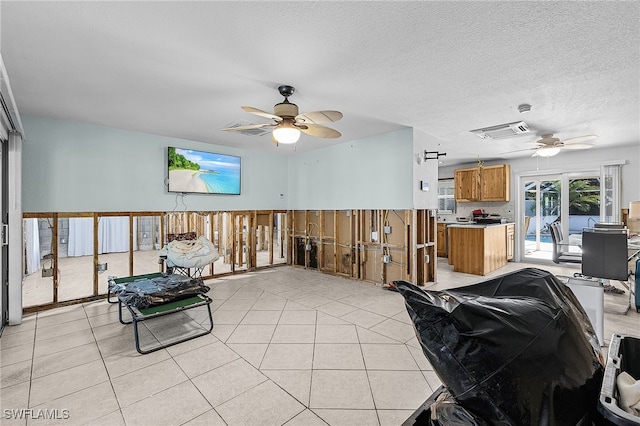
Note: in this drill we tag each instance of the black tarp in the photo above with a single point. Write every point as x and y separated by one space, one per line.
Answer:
517 349
147 292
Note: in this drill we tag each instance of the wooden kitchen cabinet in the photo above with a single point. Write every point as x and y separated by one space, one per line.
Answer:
511 240
441 240
487 183
466 184
495 183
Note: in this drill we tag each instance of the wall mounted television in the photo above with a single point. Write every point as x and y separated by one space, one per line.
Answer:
201 172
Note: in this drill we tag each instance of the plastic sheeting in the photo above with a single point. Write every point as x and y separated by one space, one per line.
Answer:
517 349
149 292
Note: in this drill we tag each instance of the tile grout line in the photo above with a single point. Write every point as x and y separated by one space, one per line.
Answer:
105 368
33 356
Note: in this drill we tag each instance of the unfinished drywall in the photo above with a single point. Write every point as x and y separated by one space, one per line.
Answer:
73 167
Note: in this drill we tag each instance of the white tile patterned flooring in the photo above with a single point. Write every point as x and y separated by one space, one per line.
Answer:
289 347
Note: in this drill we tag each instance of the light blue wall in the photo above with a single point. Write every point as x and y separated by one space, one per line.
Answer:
424 171
76 167
73 167
371 173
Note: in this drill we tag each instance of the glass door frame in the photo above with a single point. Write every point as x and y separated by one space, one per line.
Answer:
538 179
588 171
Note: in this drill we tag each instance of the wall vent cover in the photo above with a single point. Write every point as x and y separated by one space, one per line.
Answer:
250 132
503 131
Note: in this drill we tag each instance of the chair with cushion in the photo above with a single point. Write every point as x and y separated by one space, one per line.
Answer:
185 254
561 253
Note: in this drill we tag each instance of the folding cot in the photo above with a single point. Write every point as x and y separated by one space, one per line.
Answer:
155 295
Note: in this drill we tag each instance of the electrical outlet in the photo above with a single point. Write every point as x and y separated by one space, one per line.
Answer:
426 258
387 229
374 236
307 247
386 258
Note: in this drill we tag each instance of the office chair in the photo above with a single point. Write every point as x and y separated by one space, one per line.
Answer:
605 256
604 253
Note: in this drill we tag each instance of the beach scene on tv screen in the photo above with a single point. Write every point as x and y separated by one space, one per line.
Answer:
203 172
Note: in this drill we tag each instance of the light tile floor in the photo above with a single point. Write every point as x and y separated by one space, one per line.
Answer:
289 347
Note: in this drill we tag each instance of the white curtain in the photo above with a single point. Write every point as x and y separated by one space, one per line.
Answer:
610 193
80 236
32 245
113 235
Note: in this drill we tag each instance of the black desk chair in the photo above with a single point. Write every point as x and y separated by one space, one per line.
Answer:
605 255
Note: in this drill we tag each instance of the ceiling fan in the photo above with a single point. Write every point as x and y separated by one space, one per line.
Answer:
288 122
548 146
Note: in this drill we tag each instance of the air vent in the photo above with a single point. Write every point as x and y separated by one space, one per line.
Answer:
250 132
503 131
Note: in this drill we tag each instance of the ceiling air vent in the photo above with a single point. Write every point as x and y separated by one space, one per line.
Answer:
250 132
503 131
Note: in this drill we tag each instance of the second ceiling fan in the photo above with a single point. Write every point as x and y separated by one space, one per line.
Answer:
549 146
288 122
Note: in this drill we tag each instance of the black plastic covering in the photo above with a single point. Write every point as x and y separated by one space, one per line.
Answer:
441 409
517 349
148 292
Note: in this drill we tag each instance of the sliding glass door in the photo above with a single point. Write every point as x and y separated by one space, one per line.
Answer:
542 206
571 199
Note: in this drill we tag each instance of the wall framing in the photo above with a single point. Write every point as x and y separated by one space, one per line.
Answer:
376 246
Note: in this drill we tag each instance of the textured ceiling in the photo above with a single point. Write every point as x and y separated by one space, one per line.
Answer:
183 69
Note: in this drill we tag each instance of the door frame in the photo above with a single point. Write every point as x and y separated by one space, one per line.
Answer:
594 169
4 251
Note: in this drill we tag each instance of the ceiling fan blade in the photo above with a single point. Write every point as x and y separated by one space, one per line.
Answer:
520 150
320 131
577 146
319 117
579 139
261 113
250 126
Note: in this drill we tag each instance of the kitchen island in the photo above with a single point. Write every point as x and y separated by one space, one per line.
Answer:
479 248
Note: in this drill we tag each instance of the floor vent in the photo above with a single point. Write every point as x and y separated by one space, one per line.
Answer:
503 131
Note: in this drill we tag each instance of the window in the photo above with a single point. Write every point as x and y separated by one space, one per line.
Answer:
446 200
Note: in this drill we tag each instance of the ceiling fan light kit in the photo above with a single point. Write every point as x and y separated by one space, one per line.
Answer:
286 133
289 123
547 151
